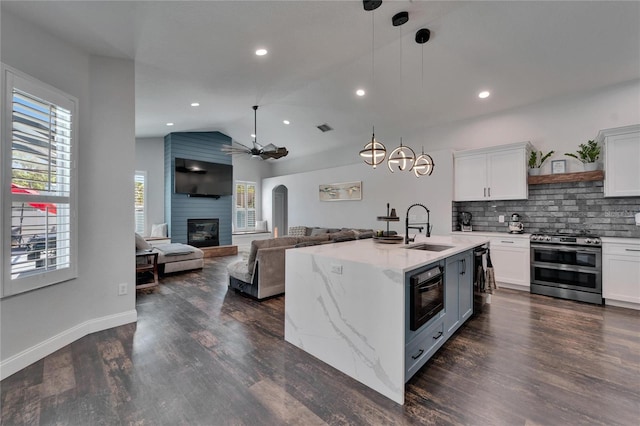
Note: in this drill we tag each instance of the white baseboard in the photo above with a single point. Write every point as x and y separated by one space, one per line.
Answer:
27 357
513 286
622 304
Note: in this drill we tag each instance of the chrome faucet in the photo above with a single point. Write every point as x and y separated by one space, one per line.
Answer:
408 225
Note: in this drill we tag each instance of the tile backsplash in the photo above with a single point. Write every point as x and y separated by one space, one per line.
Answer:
555 207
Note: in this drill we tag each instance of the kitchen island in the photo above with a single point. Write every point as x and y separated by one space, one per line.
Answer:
347 304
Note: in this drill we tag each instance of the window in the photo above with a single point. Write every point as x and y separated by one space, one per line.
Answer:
38 154
140 200
245 208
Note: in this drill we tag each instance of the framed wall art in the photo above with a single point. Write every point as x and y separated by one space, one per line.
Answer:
347 191
558 166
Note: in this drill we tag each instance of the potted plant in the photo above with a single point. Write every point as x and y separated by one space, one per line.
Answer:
536 159
588 154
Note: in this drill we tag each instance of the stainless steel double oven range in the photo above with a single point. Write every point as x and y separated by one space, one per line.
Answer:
567 265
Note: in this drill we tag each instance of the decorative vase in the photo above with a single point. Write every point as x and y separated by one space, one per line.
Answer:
589 167
534 171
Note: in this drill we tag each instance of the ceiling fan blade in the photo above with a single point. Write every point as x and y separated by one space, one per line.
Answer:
236 148
278 153
270 148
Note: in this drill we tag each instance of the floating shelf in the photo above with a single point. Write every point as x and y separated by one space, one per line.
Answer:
567 177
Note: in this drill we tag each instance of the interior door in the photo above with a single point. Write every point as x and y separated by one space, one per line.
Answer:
280 207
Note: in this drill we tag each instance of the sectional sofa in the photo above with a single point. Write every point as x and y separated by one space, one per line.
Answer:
261 273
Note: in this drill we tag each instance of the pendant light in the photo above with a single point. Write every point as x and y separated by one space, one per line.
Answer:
424 163
402 157
374 152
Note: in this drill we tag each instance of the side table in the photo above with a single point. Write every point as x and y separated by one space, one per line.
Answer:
146 262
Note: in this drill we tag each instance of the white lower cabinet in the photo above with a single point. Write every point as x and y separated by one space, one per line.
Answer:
510 257
621 274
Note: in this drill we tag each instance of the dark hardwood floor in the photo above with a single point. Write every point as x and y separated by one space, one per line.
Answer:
200 355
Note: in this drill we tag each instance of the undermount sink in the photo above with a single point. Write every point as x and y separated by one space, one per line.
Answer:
429 247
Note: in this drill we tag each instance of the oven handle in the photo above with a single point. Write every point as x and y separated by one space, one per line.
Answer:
426 287
567 248
562 267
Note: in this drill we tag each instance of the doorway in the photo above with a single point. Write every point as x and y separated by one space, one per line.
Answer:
279 210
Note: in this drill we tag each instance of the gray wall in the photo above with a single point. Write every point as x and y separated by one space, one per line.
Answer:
35 323
555 207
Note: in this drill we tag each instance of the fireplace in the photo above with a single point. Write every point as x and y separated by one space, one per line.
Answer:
202 232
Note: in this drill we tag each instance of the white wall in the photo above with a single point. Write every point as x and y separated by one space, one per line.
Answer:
150 159
39 322
250 169
559 124
379 187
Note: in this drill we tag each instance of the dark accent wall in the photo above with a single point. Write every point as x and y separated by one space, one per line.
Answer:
204 146
558 206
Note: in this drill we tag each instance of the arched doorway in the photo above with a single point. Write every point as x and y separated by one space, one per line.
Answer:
279 210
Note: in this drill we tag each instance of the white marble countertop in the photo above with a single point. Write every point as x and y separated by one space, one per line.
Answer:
492 234
620 240
395 256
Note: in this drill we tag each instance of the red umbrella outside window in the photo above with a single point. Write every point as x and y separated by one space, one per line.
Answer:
48 208
45 207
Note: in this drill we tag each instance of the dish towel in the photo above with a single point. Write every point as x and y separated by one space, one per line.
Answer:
490 282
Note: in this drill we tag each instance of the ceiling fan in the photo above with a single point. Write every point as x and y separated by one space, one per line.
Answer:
258 151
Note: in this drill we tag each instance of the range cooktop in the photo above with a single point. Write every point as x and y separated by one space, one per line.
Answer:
566 237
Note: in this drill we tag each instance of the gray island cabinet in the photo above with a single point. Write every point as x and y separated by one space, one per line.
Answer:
347 304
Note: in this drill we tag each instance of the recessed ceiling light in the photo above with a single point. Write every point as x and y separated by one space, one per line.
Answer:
286 121
195 104
484 94
360 92
261 52
169 124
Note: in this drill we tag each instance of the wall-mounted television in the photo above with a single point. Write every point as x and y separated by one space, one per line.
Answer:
202 179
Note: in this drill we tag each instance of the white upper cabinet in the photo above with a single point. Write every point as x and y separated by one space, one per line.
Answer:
497 173
622 161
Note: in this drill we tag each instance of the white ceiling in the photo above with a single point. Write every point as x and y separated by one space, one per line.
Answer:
321 51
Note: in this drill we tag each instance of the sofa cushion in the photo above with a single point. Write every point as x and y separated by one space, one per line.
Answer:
272 242
315 239
318 231
162 258
361 234
159 230
342 236
297 231
239 271
141 243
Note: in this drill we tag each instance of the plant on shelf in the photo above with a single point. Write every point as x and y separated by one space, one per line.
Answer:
588 154
536 159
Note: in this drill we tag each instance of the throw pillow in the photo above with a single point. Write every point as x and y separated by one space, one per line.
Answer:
159 230
297 231
141 243
261 226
